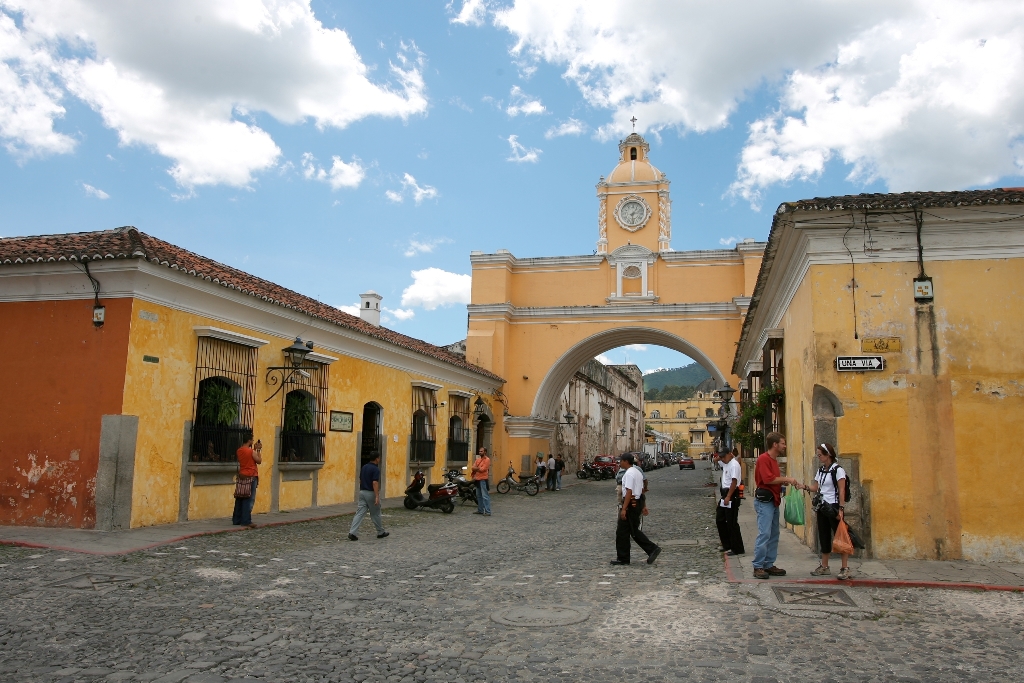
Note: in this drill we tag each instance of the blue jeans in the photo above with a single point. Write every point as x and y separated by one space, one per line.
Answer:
483 497
242 516
558 479
766 547
366 504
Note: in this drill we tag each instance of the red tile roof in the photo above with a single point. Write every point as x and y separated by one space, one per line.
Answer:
127 242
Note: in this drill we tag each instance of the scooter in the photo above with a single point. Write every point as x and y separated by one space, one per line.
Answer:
440 496
466 488
530 484
588 471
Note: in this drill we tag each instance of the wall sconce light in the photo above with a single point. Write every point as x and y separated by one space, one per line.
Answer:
283 374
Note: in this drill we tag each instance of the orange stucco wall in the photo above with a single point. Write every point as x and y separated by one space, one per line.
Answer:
62 375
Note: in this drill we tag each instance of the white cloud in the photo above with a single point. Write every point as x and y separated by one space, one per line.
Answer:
351 310
472 12
400 313
521 103
636 347
570 127
340 175
915 93
728 241
181 78
95 191
603 359
424 246
433 287
648 372
519 153
410 186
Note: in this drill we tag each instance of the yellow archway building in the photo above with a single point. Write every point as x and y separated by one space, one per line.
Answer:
535 321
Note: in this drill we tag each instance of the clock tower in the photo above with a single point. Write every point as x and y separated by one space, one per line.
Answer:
633 203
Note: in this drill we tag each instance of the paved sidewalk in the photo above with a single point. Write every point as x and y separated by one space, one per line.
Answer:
799 561
132 540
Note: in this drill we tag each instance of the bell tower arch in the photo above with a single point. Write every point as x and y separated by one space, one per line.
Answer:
633 201
535 321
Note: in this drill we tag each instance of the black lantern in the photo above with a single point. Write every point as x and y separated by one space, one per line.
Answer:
295 355
568 418
622 432
726 393
478 406
297 352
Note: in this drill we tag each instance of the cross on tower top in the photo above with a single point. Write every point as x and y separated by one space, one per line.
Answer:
633 120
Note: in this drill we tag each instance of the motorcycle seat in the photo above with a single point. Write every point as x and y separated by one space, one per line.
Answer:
434 487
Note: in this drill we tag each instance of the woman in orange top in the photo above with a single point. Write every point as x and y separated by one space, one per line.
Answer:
249 456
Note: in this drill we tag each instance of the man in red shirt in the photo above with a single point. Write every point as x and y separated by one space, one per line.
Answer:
767 498
249 457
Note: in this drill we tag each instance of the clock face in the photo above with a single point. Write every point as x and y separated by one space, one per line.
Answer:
632 213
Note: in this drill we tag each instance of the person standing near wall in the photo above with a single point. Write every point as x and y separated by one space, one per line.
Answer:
551 473
482 477
369 500
831 481
542 468
249 456
559 466
767 498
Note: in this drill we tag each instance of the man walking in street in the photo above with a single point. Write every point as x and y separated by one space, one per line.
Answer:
727 514
369 500
767 498
482 477
633 503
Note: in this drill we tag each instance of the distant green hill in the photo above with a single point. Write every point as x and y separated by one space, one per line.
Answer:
688 376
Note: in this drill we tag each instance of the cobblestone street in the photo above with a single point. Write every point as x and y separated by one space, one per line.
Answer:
302 603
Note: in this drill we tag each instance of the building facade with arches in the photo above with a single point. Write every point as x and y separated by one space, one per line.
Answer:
536 321
147 364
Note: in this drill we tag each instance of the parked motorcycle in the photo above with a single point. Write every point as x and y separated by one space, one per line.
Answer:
530 484
439 496
466 487
588 471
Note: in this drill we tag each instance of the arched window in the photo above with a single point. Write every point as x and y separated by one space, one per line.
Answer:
655 414
631 272
217 432
709 412
632 153
680 414
299 440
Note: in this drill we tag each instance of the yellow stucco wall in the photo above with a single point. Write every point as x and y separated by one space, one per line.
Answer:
930 431
161 394
696 420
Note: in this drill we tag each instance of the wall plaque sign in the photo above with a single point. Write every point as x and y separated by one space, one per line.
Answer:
881 344
340 421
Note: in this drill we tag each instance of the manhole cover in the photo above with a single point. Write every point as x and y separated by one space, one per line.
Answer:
540 616
817 597
94 581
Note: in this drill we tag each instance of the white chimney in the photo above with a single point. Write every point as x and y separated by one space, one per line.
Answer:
369 307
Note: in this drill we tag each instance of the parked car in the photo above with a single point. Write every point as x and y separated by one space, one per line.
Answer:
607 462
687 464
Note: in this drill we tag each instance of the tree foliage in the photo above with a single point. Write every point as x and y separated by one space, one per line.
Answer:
217 403
671 392
298 414
749 427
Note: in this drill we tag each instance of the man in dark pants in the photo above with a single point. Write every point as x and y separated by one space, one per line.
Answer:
633 504
369 500
727 513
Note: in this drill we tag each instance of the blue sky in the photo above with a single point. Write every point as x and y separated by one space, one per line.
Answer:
426 171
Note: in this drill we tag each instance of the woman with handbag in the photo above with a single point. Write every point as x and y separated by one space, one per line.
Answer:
249 456
829 488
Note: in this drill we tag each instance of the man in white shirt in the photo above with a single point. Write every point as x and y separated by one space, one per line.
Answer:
551 473
727 514
633 503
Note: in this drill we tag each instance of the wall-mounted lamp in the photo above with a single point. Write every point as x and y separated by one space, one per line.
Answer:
284 374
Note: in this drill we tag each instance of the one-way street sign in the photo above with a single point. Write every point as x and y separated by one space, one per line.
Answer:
859 363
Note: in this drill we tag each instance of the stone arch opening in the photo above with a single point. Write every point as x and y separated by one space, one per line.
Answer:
546 402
